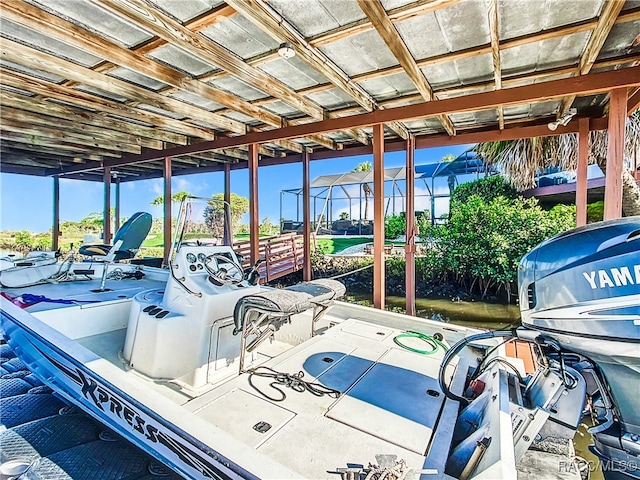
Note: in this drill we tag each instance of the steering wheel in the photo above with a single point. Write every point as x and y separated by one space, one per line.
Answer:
227 271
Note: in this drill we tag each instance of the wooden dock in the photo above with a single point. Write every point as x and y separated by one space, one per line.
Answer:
283 254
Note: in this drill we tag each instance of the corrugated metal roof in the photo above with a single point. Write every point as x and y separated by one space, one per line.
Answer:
216 64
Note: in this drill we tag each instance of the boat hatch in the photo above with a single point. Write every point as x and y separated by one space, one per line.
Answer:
397 400
251 419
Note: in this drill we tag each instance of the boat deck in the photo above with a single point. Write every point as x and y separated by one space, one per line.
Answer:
389 399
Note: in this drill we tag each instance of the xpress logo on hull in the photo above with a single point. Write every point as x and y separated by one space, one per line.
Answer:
613 277
118 409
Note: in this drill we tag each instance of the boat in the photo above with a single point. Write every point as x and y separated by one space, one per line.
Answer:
217 376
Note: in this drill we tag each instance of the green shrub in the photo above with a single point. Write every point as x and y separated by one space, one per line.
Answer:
395 225
484 241
487 188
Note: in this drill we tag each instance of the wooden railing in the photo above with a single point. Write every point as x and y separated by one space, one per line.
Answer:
283 254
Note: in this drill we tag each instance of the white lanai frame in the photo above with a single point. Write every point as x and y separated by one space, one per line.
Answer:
324 188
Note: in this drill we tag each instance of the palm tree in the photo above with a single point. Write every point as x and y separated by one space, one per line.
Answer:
520 160
366 188
177 197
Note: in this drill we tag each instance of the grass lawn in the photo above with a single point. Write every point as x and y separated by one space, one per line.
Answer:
337 244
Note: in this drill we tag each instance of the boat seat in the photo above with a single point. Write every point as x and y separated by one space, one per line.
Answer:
126 243
258 314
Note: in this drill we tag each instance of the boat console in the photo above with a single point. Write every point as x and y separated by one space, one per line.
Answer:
184 333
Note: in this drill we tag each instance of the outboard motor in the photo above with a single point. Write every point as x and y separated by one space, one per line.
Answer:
580 291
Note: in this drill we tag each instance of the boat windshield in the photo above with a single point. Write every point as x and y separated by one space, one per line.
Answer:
202 221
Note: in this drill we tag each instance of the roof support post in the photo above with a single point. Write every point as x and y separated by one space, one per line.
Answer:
117 219
166 226
55 231
307 274
615 154
228 228
581 174
378 217
106 213
254 222
410 212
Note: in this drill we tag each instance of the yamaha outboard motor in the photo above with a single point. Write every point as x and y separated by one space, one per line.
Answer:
581 291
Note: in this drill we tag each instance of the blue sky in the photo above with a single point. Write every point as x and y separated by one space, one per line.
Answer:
26 203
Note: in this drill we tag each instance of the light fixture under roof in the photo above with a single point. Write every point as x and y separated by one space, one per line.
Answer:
563 120
286 50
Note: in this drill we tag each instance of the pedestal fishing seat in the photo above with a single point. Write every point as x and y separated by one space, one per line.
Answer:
260 314
126 243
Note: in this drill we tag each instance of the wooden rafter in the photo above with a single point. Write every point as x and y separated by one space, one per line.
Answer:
60 29
31 58
398 14
624 17
607 19
277 27
378 16
117 56
10 114
165 27
587 85
633 103
492 12
59 114
97 104
55 145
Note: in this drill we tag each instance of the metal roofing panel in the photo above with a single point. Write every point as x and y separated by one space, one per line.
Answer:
389 86
184 11
293 72
137 78
463 24
280 108
312 17
27 36
101 93
196 100
239 88
360 53
423 36
624 39
97 19
181 60
240 36
32 72
546 54
332 99
460 72
160 111
523 17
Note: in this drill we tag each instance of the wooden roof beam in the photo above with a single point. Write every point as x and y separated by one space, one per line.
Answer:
38 133
55 143
492 12
633 103
265 17
626 16
165 27
607 19
87 101
378 16
10 114
18 53
397 14
64 31
586 85
20 107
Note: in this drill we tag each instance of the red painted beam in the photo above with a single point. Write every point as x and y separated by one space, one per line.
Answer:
378 217
581 173
581 85
615 154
